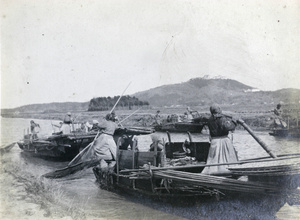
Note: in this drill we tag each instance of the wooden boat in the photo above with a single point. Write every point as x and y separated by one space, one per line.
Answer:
180 127
175 172
293 132
67 146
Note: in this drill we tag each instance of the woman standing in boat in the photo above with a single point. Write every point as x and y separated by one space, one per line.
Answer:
34 129
105 147
66 126
221 148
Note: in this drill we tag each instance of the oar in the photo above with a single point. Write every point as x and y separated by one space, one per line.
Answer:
72 167
7 148
130 115
113 108
264 146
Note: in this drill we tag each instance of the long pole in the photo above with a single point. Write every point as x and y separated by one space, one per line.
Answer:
264 146
130 115
113 108
210 165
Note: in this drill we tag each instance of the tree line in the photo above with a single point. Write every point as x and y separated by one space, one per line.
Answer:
106 103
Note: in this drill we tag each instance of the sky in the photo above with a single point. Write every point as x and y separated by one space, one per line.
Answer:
59 51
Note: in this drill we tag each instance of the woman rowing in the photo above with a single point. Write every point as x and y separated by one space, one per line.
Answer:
221 148
105 147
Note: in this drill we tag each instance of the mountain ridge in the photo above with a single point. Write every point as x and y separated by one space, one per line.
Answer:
202 91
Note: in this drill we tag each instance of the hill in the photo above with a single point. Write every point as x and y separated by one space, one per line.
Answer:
200 92
54 107
205 91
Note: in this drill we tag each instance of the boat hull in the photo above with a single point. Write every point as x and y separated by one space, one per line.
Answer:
66 146
287 133
181 127
174 173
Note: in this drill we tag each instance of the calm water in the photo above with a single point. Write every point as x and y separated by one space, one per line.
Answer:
81 188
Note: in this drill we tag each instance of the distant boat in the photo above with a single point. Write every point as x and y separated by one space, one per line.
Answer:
67 146
286 132
180 127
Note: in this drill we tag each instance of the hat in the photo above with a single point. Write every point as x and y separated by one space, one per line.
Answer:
278 105
215 110
155 137
109 116
95 122
69 113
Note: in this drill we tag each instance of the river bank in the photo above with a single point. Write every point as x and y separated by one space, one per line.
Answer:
146 117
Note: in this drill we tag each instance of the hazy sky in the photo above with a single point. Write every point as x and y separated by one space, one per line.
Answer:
57 51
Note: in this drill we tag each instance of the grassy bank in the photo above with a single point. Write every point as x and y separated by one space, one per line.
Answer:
257 117
24 195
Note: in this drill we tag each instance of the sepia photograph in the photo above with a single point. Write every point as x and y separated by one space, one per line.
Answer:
154 109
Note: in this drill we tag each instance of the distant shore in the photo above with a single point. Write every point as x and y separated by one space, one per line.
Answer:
257 120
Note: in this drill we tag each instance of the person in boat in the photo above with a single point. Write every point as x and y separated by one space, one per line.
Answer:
34 129
114 116
105 147
67 122
278 121
83 128
221 148
95 126
59 128
187 117
156 142
157 119
126 142
192 112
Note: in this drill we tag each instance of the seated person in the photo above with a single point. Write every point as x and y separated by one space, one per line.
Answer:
156 141
186 147
125 142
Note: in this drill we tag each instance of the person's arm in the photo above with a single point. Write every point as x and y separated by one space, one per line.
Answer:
228 124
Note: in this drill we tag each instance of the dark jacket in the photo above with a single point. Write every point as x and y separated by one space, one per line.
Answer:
220 125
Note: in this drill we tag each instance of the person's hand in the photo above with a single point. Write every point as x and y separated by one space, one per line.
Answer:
240 120
236 119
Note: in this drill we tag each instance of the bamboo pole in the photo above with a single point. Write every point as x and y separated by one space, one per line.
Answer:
264 146
113 108
209 165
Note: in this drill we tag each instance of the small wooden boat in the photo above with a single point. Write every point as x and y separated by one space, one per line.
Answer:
67 146
293 132
181 127
176 171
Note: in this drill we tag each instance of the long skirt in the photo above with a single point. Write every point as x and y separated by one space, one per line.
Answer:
221 151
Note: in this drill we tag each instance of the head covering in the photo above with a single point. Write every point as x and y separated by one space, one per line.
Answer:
95 122
69 113
155 137
278 105
31 121
109 117
215 110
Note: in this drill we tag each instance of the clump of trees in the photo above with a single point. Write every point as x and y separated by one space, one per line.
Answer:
106 103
